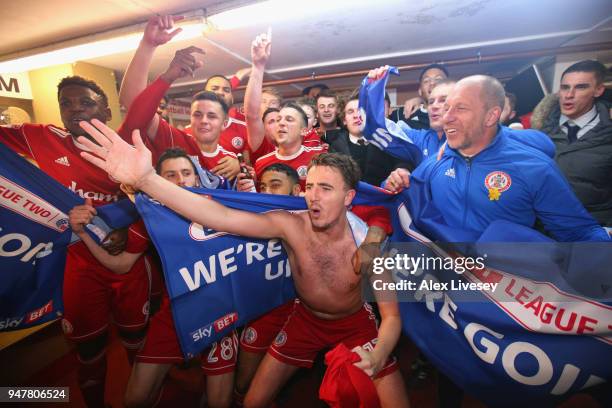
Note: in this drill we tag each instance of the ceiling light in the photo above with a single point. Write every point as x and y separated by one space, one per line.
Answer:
93 49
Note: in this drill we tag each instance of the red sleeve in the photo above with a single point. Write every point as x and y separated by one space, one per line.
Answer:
265 148
374 216
234 82
144 108
15 138
167 137
138 238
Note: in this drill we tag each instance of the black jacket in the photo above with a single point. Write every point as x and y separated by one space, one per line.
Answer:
587 163
377 164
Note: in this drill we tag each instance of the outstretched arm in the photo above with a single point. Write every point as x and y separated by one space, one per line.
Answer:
260 52
157 32
132 166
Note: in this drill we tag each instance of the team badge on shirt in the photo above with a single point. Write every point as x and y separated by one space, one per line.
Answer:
237 142
496 183
302 171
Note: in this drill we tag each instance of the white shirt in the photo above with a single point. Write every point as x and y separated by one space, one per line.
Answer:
586 122
355 140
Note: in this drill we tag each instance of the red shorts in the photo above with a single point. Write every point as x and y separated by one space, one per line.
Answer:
162 345
92 294
258 335
305 334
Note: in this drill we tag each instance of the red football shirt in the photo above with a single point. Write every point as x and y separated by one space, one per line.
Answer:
138 239
234 137
57 153
312 139
265 148
298 161
168 136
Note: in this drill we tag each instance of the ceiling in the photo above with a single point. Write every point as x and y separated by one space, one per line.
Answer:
353 35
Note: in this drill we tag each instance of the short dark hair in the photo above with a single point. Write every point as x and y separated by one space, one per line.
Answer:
217 76
210 96
595 67
512 99
433 66
326 93
299 109
345 164
283 168
86 83
268 111
322 87
173 153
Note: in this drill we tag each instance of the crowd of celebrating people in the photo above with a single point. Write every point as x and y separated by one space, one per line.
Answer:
473 149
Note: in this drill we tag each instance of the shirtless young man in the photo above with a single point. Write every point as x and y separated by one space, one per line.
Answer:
321 251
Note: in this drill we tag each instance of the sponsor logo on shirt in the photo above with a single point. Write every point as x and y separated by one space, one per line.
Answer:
94 195
450 172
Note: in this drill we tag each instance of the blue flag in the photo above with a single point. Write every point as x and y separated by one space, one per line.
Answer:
377 129
537 338
34 235
545 330
218 282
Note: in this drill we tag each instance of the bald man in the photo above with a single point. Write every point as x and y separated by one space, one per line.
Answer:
486 174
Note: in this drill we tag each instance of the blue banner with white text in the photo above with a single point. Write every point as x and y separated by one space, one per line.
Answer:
34 234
